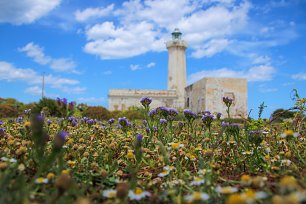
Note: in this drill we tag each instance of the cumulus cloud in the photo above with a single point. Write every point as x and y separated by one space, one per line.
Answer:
300 76
112 42
8 72
36 52
91 100
257 73
33 90
25 11
142 27
90 13
135 67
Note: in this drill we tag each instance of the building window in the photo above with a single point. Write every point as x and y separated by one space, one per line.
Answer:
187 103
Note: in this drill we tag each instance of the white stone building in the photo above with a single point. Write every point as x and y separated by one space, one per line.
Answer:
205 94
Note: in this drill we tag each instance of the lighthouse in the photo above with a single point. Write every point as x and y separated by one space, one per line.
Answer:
177 66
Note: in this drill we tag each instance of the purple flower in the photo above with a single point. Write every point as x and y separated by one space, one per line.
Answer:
172 113
71 105
146 101
2 132
207 120
218 116
1 122
152 113
123 122
60 139
139 138
189 115
162 111
64 101
163 121
19 119
228 101
206 112
111 121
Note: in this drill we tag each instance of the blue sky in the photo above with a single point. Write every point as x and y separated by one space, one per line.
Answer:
86 48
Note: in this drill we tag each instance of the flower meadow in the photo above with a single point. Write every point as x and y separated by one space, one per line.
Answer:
203 158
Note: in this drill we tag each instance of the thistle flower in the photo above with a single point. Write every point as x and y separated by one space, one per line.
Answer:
172 114
60 139
207 120
152 113
111 121
71 105
189 115
163 121
218 116
162 111
146 101
228 101
123 122
2 132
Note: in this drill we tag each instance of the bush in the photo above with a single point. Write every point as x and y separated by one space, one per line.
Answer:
280 114
8 111
96 112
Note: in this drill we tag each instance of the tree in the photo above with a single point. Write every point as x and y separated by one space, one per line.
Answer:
280 114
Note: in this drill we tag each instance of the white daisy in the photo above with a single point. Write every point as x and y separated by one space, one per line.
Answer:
138 194
164 173
226 190
110 193
41 180
197 196
197 181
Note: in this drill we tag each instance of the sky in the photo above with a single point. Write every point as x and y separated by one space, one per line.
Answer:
84 48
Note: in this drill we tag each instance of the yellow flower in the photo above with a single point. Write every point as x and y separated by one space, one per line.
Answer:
236 199
288 182
130 155
27 124
50 176
246 179
196 196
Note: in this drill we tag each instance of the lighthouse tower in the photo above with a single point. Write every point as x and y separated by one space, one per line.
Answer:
177 66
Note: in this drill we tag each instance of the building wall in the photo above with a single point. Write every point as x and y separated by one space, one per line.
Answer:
122 99
207 94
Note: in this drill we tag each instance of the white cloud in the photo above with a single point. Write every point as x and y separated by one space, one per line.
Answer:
8 72
299 76
257 73
111 42
25 11
34 90
91 100
90 13
135 67
260 59
36 52
142 27
211 48
151 65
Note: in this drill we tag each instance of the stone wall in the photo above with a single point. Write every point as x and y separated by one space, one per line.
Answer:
207 94
122 99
